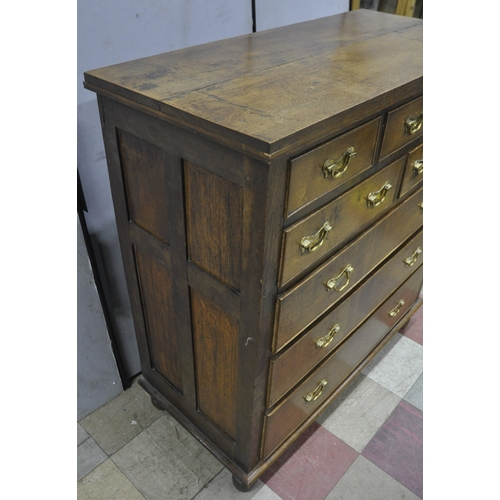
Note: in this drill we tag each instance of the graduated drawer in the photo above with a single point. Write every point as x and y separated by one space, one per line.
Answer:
329 166
291 412
311 238
414 170
297 308
403 125
296 361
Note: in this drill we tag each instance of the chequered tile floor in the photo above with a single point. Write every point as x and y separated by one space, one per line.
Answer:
366 445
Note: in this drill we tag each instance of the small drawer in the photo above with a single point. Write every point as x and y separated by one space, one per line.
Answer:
310 395
414 171
403 125
300 306
290 366
311 238
329 166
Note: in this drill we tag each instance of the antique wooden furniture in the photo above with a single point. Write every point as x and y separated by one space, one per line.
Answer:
268 196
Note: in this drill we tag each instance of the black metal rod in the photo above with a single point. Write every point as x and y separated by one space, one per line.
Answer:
254 20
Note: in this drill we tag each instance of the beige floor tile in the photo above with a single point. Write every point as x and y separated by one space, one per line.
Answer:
89 456
365 480
397 366
165 461
359 412
415 395
117 422
82 434
222 488
107 482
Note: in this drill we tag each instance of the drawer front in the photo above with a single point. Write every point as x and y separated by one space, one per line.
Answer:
414 170
403 125
302 304
329 166
287 416
308 240
295 362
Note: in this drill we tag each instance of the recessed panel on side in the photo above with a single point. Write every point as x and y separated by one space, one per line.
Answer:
145 176
155 282
214 213
215 338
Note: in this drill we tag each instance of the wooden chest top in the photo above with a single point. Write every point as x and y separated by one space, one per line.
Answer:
265 90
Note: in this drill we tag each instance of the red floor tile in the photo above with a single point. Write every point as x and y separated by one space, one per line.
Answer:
311 467
397 447
414 329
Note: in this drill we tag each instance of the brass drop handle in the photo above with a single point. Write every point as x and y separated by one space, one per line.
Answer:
421 206
414 123
410 261
376 198
332 284
395 311
339 166
418 167
312 243
325 341
314 395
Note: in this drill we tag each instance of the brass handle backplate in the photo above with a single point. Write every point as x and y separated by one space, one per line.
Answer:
376 198
312 243
414 123
325 341
421 206
395 311
339 166
418 167
314 395
410 261
332 284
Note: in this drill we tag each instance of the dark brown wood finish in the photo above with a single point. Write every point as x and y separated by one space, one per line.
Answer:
396 134
283 89
146 185
292 364
216 367
156 286
283 420
215 158
308 179
348 214
414 173
214 210
381 240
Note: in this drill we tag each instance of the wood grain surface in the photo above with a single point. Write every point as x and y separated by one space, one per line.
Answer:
265 87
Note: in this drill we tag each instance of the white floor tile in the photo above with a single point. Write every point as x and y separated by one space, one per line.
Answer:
397 366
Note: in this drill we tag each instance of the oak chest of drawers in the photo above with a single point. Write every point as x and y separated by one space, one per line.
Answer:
268 196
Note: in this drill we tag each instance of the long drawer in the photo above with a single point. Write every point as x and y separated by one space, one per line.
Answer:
311 238
311 394
305 302
296 361
329 166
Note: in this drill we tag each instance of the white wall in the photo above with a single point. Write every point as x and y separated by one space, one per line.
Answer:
98 380
274 13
